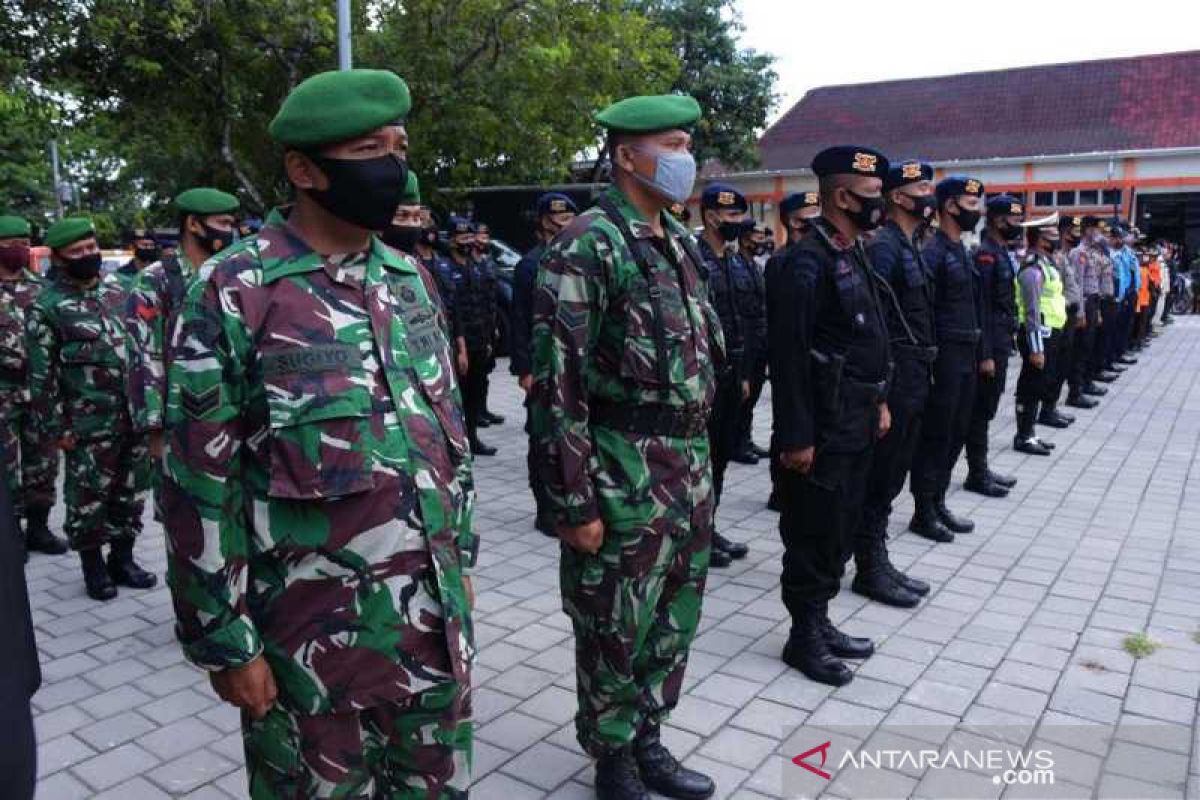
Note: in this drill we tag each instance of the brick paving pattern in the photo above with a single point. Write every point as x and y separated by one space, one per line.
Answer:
1025 623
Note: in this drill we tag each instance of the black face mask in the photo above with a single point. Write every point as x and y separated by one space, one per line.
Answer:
83 268
728 231
799 229
146 255
211 239
429 236
967 219
870 211
1048 245
402 237
363 192
1009 232
923 206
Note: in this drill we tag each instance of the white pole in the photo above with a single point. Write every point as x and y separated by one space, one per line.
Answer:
57 184
343 18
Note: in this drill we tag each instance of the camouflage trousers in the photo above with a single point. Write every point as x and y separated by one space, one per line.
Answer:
417 749
104 484
32 465
635 606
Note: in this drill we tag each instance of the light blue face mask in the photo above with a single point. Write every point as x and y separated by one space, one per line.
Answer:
674 175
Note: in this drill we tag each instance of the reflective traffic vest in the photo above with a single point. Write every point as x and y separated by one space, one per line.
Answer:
1053 301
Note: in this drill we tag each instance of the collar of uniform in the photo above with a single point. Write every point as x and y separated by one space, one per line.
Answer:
637 223
831 236
283 253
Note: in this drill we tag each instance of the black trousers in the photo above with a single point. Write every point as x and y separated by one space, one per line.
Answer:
723 429
535 481
1084 346
946 421
1109 314
1118 341
1059 362
894 453
819 513
988 392
1031 384
474 389
757 377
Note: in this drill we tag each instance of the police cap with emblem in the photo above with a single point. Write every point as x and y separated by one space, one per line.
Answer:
68 231
457 226
723 197
1005 205
957 185
906 172
650 113
335 106
1074 222
850 160
555 203
13 227
799 200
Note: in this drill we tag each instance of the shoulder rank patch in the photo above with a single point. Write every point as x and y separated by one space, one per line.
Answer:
200 404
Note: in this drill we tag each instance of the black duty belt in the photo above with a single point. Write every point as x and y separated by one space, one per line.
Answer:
912 352
959 335
650 419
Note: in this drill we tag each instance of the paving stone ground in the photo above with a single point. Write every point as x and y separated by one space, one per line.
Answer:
1025 623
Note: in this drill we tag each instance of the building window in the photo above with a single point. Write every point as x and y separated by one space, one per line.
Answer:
1043 199
1112 197
1066 197
1089 197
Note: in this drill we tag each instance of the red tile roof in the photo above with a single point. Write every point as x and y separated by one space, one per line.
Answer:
1144 102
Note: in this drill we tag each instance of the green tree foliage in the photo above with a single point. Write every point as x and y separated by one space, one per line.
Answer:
147 97
735 87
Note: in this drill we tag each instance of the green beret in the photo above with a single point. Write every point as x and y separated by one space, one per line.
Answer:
336 106
12 227
203 200
68 231
412 191
650 113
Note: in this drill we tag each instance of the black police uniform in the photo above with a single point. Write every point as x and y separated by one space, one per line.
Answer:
475 310
520 339
755 315
22 674
829 358
443 275
997 276
909 285
961 338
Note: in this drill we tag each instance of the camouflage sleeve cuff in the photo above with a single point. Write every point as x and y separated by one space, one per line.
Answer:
574 516
234 644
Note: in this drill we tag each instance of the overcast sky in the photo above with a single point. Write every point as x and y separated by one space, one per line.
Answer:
828 42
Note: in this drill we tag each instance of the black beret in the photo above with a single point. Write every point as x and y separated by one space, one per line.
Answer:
1003 205
906 172
555 203
747 226
1090 222
456 226
956 185
850 160
722 196
799 200
1070 222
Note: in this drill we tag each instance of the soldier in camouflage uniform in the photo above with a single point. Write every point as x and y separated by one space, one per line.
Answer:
206 226
76 349
625 348
318 481
145 252
31 468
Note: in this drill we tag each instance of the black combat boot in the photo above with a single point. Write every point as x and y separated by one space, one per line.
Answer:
480 449
124 570
38 535
1007 481
761 452
843 645
915 585
807 651
96 579
1092 390
734 550
876 579
1050 417
954 523
661 773
980 481
925 521
744 455
617 777
1079 400
545 524
1026 440
718 557
493 419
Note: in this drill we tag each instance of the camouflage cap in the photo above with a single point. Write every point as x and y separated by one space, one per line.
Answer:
336 106
412 191
650 113
68 231
12 226
203 200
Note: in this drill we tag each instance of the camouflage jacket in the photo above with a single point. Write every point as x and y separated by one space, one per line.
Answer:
594 343
76 345
16 296
150 314
318 483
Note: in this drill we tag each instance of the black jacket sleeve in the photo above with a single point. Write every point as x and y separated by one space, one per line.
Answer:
791 290
983 264
521 323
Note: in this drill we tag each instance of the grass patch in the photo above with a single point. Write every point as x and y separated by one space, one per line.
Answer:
1139 645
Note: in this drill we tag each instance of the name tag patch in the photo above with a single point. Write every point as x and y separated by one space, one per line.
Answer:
314 359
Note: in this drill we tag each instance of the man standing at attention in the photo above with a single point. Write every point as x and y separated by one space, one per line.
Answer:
625 351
